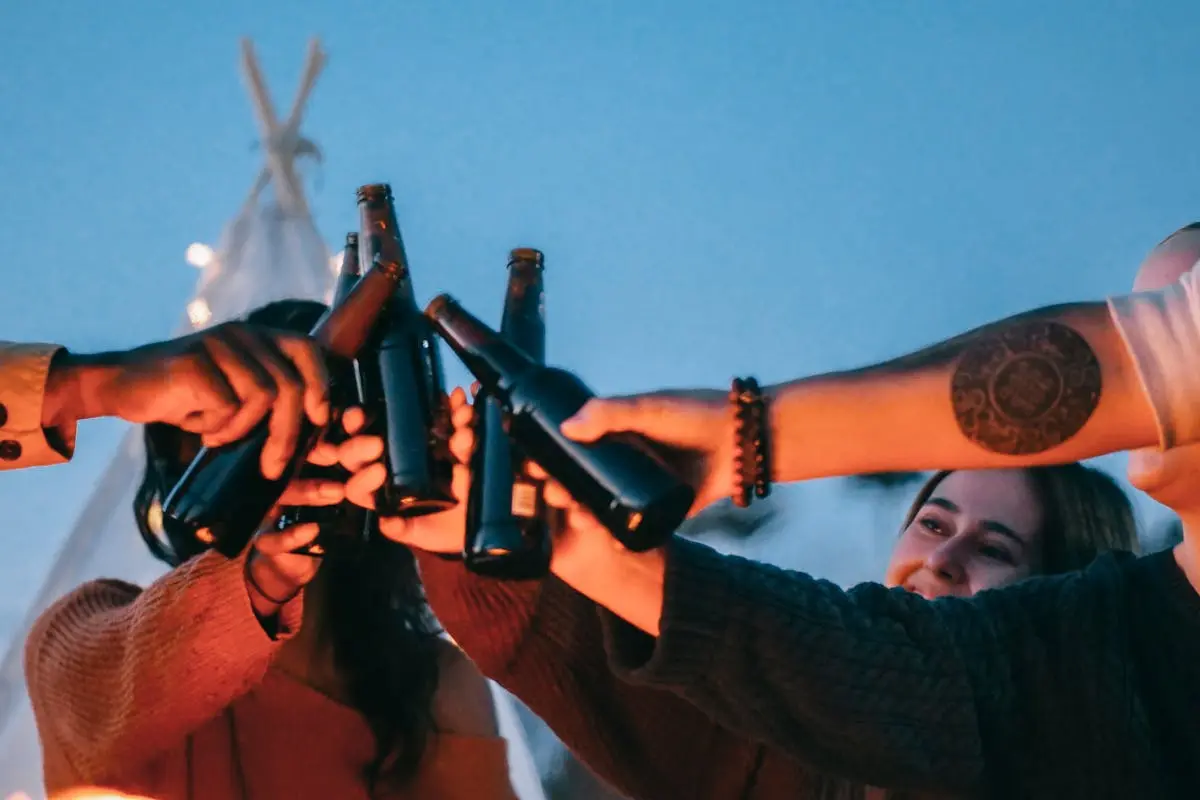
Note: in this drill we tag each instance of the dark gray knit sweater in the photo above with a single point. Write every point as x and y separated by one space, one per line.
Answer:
1082 685
763 680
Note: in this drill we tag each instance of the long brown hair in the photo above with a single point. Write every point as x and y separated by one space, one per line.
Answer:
1085 513
385 640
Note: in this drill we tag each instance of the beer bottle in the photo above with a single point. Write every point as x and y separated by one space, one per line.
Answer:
508 523
412 402
223 496
626 486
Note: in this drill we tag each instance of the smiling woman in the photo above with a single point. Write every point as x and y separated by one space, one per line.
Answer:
973 530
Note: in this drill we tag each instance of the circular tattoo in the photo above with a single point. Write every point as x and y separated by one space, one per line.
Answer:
1025 388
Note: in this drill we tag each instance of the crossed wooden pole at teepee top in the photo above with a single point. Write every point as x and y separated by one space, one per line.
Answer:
282 142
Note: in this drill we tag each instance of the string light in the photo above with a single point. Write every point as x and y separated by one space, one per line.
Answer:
198 312
200 255
154 518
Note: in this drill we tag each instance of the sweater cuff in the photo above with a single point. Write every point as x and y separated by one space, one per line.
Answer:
24 369
697 597
232 613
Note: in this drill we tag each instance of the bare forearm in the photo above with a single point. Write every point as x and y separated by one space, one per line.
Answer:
1048 386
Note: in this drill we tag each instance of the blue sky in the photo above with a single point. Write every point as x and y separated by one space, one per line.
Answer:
770 188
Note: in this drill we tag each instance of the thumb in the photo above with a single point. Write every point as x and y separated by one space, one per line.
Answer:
668 420
593 420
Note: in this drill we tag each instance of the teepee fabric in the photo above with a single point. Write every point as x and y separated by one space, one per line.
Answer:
271 250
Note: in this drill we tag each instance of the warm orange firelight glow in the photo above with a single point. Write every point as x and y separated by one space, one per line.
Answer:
89 793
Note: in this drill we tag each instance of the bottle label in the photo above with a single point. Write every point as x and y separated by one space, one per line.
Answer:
524 500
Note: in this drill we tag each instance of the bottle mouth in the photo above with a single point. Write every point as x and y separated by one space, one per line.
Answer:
526 254
438 305
372 190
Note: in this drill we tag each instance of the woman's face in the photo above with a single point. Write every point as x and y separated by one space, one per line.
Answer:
978 530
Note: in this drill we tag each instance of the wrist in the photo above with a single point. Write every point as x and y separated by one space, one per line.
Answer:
778 450
79 387
603 567
268 591
628 584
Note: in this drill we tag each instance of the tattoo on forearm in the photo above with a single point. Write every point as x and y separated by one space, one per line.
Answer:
1025 387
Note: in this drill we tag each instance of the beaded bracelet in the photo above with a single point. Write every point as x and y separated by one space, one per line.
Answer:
751 442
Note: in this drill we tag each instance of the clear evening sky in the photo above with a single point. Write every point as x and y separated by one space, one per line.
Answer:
769 188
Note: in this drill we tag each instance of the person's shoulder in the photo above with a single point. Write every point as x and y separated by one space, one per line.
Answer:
77 609
1157 574
463 704
94 595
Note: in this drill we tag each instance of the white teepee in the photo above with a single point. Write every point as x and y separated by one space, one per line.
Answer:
270 251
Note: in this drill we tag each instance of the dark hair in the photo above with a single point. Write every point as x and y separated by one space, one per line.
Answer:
385 640
1085 513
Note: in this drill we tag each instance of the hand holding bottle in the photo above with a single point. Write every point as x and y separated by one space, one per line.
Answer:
219 383
584 554
443 533
435 533
695 426
275 573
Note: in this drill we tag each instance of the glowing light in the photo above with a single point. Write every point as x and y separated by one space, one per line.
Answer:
154 518
200 255
335 263
198 312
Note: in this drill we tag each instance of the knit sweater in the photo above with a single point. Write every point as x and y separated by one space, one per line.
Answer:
1080 685
169 692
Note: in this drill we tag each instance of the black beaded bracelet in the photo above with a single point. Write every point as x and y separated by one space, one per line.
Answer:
752 441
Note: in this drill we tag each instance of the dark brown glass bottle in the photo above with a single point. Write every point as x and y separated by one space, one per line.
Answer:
349 274
345 525
415 412
223 496
628 488
508 522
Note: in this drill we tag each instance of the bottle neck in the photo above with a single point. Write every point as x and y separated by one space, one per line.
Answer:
348 275
492 359
347 327
379 239
524 319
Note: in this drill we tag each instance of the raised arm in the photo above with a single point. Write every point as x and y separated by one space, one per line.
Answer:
1053 385
1057 384
881 686
544 643
218 383
117 674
